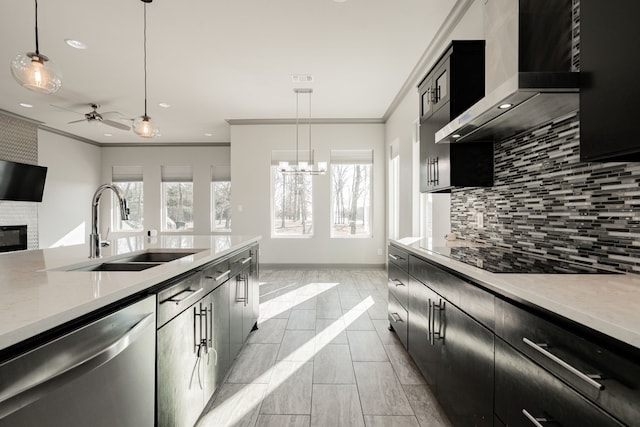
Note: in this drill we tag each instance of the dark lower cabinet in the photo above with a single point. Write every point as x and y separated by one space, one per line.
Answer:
527 394
455 355
465 377
425 351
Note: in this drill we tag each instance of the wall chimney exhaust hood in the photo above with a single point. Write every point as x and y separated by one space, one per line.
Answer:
529 77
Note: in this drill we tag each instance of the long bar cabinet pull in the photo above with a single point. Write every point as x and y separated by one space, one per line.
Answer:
397 282
535 421
393 257
588 378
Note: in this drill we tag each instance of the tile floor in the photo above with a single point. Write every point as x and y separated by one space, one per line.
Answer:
323 356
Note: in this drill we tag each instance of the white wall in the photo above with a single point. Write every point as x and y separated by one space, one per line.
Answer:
399 126
151 158
73 174
251 147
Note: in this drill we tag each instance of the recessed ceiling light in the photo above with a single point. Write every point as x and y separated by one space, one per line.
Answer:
505 106
339 1
208 134
107 134
164 105
25 105
76 44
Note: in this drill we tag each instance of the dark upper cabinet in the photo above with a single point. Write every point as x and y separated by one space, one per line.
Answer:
609 90
454 84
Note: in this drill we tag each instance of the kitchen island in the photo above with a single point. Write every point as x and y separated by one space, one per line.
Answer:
39 294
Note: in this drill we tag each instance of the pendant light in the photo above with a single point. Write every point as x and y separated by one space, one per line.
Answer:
35 71
142 125
307 166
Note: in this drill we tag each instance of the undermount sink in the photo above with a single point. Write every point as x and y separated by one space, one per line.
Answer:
155 257
117 266
138 262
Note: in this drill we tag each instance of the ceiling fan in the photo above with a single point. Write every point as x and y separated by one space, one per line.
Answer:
94 117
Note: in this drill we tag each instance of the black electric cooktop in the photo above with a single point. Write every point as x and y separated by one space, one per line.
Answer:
502 260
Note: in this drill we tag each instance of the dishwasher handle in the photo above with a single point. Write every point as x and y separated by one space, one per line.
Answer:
17 397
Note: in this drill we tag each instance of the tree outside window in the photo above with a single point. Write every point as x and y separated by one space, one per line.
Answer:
221 209
177 198
351 193
292 204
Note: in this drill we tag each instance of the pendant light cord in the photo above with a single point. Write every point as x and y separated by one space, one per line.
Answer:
37 48
297 127
145 59
310 152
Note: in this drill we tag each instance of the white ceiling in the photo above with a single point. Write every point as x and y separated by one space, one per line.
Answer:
215 60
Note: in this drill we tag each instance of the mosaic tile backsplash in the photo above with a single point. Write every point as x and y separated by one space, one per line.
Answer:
19 143
545 201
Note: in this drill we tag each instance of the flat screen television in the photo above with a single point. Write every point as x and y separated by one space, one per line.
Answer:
21 182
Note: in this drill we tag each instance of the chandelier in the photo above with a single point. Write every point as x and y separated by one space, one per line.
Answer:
304 165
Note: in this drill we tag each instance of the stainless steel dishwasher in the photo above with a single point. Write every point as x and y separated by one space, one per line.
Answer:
101 374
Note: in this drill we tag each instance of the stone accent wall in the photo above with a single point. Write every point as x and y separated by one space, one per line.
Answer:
19 143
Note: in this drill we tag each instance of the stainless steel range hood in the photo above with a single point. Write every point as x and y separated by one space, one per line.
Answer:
528 73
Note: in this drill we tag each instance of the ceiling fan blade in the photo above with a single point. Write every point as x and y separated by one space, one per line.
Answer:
77 121
116 125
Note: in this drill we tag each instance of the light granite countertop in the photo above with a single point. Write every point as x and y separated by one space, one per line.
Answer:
38 295
607 303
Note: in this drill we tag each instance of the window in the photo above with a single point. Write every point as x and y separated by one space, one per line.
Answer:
129 180
291 199
394 191
177 198
220 198
351 193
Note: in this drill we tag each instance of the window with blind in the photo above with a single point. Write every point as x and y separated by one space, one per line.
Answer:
351 193
129 180
177 198
291 198
221 198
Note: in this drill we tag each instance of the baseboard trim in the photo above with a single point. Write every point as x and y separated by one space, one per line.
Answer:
307 266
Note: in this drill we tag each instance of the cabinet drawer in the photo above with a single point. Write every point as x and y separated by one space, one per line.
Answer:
608 376
216 274
398 284
399 258
398 319
470 298
526 392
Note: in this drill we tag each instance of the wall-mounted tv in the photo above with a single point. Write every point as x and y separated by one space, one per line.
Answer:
21 182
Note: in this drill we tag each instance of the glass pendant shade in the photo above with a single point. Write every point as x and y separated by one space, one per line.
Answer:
142 126
36 73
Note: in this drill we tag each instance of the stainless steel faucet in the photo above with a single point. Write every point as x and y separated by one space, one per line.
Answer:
94 239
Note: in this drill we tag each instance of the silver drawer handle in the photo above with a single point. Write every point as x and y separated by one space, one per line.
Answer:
189 293
397 282
589 379
226 273
393 257
535 421
244 261
396 317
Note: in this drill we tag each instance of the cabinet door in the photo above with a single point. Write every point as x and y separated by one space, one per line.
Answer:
435 168
180 395
441 85
466 373
236 304
426 98
424 348
526 392
217 359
